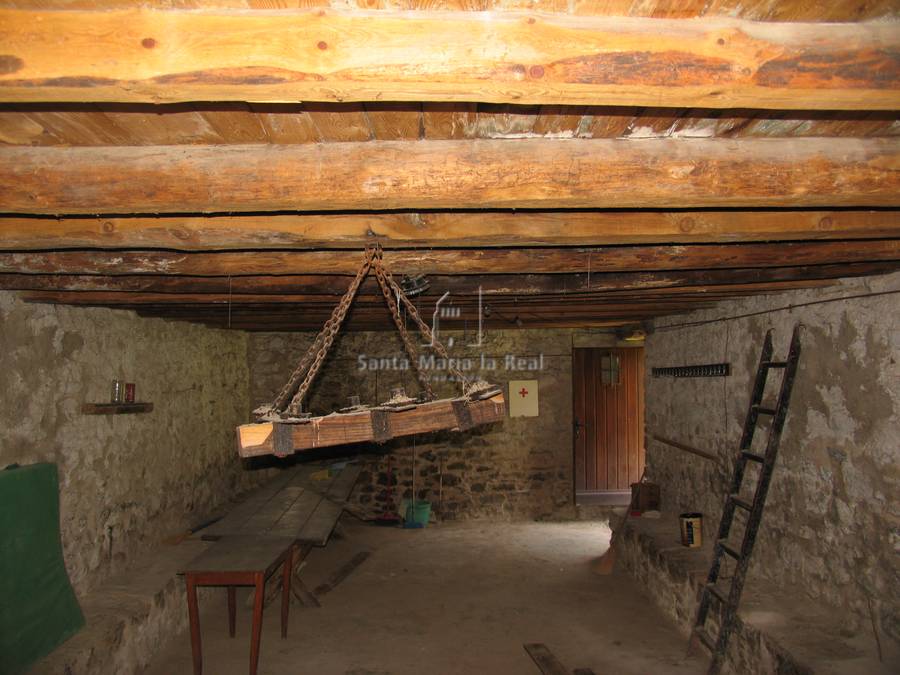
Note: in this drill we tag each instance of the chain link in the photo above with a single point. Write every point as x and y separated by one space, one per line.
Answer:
389 296
426 331
312 360
329 330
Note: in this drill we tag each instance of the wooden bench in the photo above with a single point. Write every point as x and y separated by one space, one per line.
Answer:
275 525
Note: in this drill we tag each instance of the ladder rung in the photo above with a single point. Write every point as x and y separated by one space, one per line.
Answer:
775 364
752 456
730 551
764 411
743 503
717 592
704 637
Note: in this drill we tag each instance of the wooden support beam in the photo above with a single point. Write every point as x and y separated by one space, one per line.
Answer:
111 298
525 173
449 261
519 285
155 56
487 228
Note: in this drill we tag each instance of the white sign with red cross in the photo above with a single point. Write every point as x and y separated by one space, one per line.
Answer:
523 398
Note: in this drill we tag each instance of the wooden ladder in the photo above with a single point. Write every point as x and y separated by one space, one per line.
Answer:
729 598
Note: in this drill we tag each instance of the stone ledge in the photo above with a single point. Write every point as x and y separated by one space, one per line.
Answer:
779 631
128 618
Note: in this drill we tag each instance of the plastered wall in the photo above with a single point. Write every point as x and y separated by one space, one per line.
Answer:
832 524
126 481
519 469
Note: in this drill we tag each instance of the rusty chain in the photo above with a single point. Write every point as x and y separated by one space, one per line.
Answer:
378 266
312 360
426 331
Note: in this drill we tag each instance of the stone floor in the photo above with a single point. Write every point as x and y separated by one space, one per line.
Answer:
451 599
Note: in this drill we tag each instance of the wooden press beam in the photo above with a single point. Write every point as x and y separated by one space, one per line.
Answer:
525 173
154 56
450 261
489 228
516 285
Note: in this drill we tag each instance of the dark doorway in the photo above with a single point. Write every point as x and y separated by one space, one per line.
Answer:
609 423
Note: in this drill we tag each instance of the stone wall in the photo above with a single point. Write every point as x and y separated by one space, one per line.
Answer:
126 481
832 522
521 468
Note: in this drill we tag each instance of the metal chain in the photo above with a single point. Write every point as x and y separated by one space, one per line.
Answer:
426 331
398 321
312 360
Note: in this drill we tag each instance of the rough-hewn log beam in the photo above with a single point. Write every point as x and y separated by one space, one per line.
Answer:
113 298
522 285
158 56
525 173
489 228
449 261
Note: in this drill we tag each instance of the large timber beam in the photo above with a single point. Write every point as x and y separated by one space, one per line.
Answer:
450 261
487 228
524 173
559 301
147 55
516 285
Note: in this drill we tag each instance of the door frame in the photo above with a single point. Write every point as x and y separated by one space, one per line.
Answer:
606 497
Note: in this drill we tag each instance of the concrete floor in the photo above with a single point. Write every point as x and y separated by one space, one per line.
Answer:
451 599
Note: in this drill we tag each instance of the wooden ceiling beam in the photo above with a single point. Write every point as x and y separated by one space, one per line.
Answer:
526 173
157 56
523 285
112 298
448 229
449 261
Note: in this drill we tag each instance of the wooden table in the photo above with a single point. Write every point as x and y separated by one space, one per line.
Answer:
240 561
275 525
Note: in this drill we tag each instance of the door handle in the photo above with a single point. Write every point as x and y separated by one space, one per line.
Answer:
578 426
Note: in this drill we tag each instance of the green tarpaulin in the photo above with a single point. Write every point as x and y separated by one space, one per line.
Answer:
38 609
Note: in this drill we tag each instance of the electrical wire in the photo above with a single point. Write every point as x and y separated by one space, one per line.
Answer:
690 324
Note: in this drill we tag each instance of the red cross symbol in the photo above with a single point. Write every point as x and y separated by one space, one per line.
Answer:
523 392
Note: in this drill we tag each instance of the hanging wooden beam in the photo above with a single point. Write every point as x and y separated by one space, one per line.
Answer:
523 285
155 56
449 261
526 173
489 228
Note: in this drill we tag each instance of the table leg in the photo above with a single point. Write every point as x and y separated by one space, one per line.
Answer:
286 571
194 616
258 601
231 610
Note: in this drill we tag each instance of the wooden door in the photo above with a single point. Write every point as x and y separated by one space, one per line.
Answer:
609 423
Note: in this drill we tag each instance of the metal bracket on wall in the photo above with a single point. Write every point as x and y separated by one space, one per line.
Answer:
706 370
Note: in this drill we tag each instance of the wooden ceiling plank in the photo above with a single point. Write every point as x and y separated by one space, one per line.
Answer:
286 126
156 56
530 173
449 261
449 121
449 229
349 123
395 121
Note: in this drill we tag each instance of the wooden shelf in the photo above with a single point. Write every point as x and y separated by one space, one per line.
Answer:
115 408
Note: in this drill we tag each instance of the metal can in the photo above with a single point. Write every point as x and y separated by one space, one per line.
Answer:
115 392
129 392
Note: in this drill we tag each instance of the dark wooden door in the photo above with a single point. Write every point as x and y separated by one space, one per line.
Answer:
609 423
